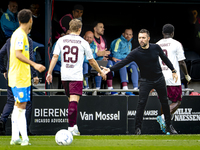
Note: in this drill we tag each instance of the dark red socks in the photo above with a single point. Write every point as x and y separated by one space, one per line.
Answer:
72 113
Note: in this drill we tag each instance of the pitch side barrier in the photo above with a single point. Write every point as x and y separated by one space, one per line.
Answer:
107 115
94 91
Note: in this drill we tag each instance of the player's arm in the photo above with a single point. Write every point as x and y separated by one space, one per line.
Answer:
22 58
95 65
183 67
52 65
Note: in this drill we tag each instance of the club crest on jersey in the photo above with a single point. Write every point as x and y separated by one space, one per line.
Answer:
21 94
19 43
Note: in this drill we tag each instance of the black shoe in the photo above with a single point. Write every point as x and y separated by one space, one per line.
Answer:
2 132
171 129
1 125
2 128
138 131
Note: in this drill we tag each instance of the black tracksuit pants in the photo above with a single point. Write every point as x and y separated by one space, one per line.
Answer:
145 87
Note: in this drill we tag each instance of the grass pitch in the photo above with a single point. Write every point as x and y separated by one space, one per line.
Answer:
121 142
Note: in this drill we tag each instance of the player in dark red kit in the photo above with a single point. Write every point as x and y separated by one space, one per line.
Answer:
72 49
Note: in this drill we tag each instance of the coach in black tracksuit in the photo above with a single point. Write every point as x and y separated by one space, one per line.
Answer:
147 58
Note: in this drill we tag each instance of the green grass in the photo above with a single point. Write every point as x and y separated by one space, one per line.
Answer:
121 142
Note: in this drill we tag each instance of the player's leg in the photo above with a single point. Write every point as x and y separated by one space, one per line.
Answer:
22 96
15 139
85 72
73 90
124 77
160 87
22 99
21 120
7 110
98 80
174 106
134 74
124 80
145 88
72 109
109 75
28 115
29 110
109 80
174 95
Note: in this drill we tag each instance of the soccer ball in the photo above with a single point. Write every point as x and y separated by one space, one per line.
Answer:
63 137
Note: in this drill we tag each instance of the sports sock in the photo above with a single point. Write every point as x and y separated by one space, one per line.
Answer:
21 121
109 83
15 129
125 87
124 84
110 88
72 113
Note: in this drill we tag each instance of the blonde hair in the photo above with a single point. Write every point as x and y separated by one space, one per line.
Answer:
75 25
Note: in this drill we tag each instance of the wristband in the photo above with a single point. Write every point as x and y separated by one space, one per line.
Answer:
174 71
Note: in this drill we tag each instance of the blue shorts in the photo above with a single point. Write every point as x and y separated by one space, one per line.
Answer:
21 94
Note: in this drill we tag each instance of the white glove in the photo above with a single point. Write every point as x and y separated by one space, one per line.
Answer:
187 77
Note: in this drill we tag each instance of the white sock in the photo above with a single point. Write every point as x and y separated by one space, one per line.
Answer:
110 88
21 119
15 129
98 88
125 87
163 117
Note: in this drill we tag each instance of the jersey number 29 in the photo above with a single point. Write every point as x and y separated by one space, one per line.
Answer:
70 50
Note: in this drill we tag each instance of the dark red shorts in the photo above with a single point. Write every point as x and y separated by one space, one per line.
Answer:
73 87
174 93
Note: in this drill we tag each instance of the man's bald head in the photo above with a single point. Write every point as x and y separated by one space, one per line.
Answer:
89 36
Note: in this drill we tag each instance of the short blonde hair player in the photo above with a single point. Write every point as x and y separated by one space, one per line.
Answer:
72 49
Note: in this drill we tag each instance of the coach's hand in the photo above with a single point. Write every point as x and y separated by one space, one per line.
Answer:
49 78
175 77
105 70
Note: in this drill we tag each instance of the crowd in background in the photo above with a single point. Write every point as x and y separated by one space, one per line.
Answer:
100 34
